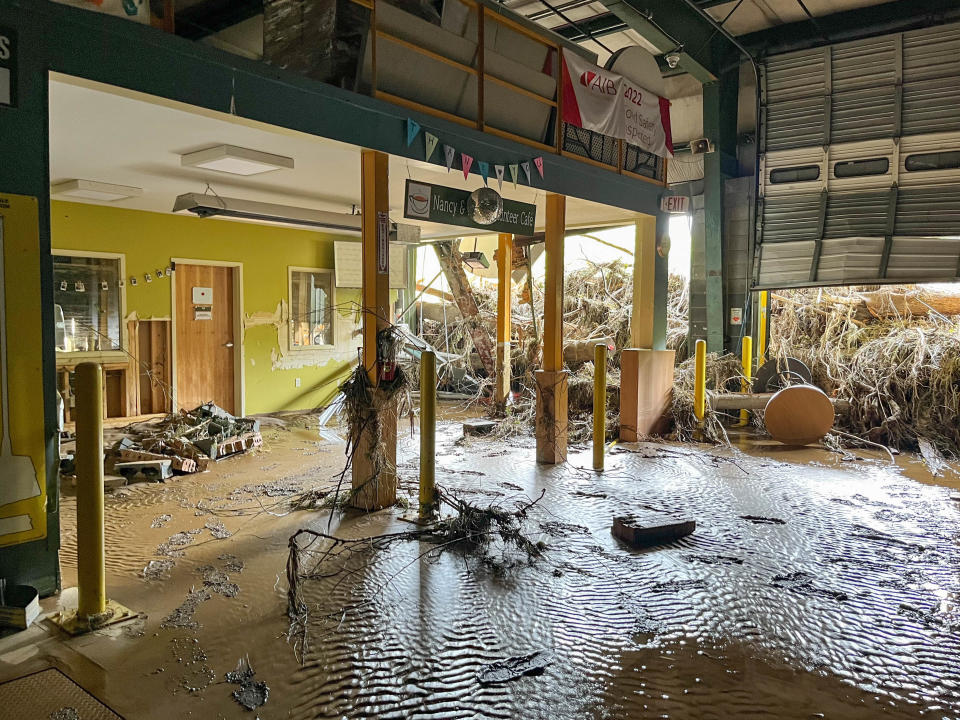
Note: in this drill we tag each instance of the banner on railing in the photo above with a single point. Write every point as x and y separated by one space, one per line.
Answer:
609 104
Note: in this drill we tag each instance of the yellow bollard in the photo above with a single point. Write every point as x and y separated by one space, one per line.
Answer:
762 328
700 380
599 404
91 575
746 359
428 429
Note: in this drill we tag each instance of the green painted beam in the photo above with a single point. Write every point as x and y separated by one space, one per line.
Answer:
713 218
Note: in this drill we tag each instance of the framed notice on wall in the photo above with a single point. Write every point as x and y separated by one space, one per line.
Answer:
348 264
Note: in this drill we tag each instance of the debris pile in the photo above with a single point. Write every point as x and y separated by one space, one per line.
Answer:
893 353
183 442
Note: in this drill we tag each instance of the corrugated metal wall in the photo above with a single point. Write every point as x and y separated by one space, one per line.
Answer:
839 205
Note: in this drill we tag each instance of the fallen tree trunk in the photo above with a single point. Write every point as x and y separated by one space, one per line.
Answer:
451 262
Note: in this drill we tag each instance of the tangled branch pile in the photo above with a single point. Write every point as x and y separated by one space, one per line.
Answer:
894 353
723 372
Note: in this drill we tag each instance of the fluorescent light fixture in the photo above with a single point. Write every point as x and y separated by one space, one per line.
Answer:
92 190
205 205
235 160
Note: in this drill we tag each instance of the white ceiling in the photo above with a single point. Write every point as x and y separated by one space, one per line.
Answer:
115 136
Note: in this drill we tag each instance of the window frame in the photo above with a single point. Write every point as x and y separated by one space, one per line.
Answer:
291 269
907 159
64 357
861 162
796 169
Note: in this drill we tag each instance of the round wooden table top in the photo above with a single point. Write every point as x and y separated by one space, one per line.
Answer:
799 415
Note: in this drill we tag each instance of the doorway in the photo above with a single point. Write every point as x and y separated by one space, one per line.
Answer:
207 335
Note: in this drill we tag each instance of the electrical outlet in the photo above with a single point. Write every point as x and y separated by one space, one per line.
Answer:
297 382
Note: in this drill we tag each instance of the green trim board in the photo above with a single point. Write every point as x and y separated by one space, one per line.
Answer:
451 206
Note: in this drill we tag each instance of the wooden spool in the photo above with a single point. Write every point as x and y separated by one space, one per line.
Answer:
799 415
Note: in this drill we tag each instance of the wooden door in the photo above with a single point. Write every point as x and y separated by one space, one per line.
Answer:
206 322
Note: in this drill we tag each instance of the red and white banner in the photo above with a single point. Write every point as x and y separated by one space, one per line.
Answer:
607 103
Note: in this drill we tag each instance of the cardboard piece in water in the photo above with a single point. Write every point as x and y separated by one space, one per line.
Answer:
450 206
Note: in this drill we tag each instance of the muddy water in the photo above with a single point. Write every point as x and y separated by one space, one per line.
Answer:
811 588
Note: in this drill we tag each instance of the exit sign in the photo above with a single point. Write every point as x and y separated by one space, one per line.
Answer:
8 67
678 204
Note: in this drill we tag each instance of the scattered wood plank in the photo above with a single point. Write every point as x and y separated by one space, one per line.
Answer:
648 532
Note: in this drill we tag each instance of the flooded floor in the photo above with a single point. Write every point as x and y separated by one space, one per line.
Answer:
814 586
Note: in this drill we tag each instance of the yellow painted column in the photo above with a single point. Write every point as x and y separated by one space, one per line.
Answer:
375 225
91 573
374 478
644 263
599 404
762 327
504 268
746 361
700 380
428 430
552 380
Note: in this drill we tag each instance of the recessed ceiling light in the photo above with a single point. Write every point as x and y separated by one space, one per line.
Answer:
93 190
236 160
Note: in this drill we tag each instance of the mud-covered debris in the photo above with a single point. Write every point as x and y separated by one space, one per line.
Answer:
757 520
161 520
802 582
178 540
251 693
678 585
231 563
218 529
218 581
714 559
514 667
182 617
651 530
157 569
65 713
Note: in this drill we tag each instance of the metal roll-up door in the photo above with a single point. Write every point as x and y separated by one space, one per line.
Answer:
795 89
892 208
791 217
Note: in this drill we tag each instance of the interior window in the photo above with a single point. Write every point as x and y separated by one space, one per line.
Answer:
801 173
949 160
859 168
311 308
86 296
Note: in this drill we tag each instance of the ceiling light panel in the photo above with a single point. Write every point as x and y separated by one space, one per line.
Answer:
236 160
93 190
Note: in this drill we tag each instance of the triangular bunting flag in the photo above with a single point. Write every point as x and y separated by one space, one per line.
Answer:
498 169
538 161
466 161
514 171
526 171
450 153
484 170
432 141
413 129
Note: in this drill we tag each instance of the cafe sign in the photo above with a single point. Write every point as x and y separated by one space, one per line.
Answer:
451 206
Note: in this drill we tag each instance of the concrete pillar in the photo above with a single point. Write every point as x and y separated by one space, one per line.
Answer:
551 424
374 478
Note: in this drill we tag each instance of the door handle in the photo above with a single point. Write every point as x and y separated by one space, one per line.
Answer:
228 344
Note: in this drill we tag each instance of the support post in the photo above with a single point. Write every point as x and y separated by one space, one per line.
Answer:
428 430
763 320
700 380
552 379
91 573
504 270
599 404
644 282
746 360
374 478
713 219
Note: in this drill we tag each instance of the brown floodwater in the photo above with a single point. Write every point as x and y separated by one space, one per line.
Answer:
814 586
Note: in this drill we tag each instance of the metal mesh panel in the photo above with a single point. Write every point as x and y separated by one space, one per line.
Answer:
589 144
642 162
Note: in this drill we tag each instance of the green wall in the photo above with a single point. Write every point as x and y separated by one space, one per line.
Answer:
149 240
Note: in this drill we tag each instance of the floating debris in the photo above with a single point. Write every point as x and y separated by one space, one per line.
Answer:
757 520
157 569
231 563
218 581
182 617
801 582
161 520
197 673
218 529
175 541
65 713
512 668
251 693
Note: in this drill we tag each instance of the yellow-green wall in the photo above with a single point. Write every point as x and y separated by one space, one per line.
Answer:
149 241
